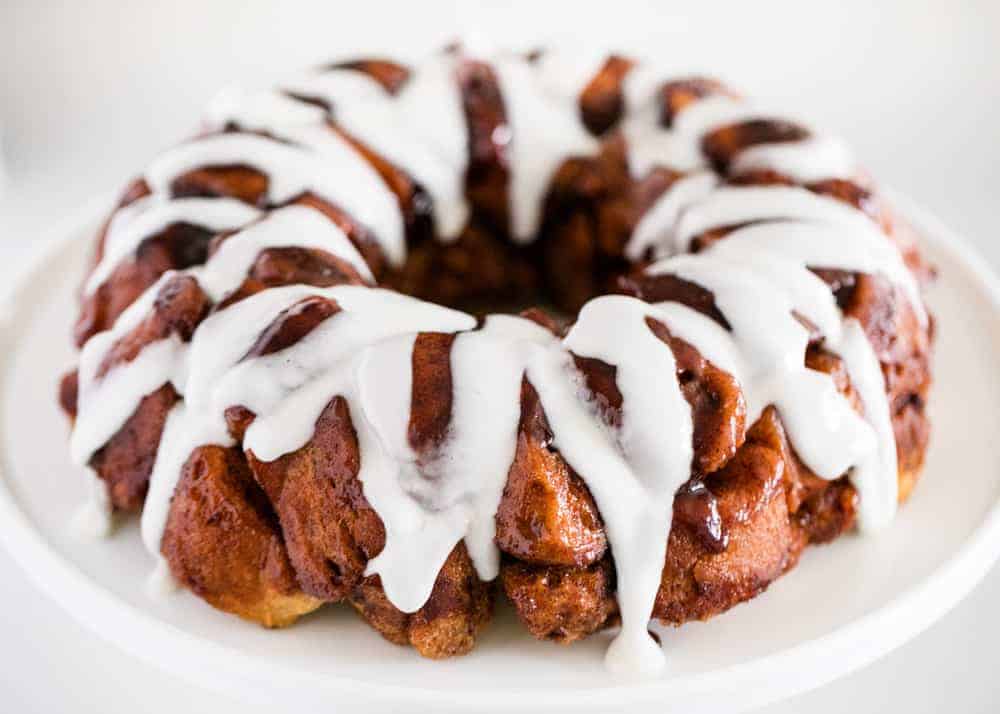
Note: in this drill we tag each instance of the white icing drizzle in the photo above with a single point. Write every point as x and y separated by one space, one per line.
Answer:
678 147
430 502
810 159
545 130
260 109
656 226
93 519
833 233
634 479
299 226
105 403
319 160
394 127
731 206
421 130
288 390
149 215
818 156
759 276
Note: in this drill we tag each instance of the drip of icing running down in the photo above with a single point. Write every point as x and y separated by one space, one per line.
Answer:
545 130
759 275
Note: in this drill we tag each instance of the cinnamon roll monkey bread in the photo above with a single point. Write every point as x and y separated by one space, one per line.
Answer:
612 344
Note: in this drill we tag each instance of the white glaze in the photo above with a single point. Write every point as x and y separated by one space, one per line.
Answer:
299 226
395 127
93 519
731 206
260 109
633 481
319 160
430 502
545 130
811 159
679 146
149 215
655 229
103 405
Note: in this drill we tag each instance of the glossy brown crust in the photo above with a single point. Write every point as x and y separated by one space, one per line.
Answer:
678 94
546 515
179 307
721 145
559 603
602 102
487 174
273 540
718 408
292 325
391 75
431 393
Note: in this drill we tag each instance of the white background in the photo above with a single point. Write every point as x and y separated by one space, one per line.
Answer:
91 91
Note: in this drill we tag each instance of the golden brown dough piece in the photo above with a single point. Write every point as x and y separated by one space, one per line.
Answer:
223 542
449 622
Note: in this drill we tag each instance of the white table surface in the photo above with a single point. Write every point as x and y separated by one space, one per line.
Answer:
91 91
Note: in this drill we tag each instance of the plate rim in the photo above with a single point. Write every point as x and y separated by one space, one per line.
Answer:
223 668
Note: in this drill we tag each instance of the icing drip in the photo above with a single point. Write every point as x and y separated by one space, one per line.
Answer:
634 479
545 130
486 446
759 274
650 144
732 206
93 518
184 431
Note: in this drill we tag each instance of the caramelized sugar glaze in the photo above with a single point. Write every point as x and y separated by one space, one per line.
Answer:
292 364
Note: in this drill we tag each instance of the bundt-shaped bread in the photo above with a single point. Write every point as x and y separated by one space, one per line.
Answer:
293 362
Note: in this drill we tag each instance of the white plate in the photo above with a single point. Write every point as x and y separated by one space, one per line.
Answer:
843 606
